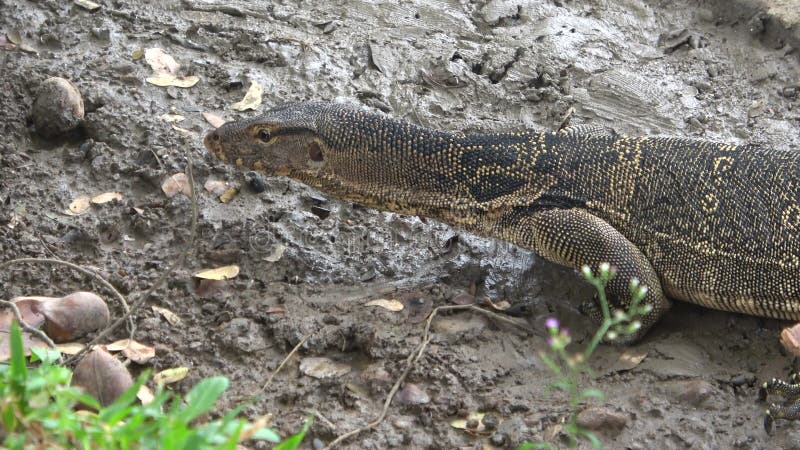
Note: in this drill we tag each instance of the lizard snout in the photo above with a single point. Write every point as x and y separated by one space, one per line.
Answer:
212 141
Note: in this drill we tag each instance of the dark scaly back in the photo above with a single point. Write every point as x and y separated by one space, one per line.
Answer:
719 223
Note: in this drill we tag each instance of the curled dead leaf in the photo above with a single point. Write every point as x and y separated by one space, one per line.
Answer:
219 273
79 206
790 339
169 376
251 100
473 422
145 395
88 5
322 368
106 197
276 254
169 118
165 80
161 62
216 187
170 316
214 120
133 350
70 348
228 195
390 304
177 183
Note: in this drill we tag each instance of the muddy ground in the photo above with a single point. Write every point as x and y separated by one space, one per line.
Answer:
719 70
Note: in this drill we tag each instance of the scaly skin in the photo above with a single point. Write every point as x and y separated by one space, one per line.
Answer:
711 224
708 223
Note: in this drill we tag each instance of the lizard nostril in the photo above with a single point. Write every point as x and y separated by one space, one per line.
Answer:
215 137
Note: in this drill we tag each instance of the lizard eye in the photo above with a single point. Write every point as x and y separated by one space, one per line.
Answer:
264 135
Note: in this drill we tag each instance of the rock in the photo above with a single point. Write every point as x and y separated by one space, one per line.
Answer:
58 108
411 394
693 392
599 418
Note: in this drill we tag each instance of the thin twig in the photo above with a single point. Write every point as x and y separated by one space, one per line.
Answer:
280 366
35 331
410 362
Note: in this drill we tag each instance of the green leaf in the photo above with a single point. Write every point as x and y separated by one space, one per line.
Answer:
202 397
267 434
593 439
44 354
19 370
293 441
593 393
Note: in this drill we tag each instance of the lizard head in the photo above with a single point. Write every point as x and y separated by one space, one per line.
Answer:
282 141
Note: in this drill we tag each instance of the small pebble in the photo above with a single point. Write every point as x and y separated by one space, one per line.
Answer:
790 91
318 444
411 394
499 439
694 392
256 182
602 419
490 421
58 108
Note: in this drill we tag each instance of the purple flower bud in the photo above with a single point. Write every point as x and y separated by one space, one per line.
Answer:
551 322
550 341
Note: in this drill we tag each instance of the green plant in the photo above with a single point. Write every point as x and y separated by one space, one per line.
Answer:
568 367
38 410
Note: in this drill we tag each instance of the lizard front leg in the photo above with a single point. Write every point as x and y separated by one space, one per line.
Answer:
577 238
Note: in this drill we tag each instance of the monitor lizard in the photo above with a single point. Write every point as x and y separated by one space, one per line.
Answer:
709 223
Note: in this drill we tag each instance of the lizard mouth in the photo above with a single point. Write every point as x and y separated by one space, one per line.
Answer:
213 143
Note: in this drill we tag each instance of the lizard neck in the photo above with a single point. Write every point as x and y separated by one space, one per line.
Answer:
396 166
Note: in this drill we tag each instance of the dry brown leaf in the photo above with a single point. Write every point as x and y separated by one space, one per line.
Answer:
170 316
170 376
70 348
251 100
79 206
790 339
106 197
182 130
88 5
475 417
215 120
228 195
145 395
161 62
169 118
319 367
135 351
390 304
165 80
219 273
216 187
255 426
14 37
277 253
176 183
